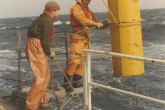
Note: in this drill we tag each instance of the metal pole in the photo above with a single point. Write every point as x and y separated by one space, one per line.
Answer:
19 61
66 48
89 42
85 78
137 105
129 93
89 80
125 56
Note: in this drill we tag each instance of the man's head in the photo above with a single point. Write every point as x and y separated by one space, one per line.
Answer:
53 8
85 2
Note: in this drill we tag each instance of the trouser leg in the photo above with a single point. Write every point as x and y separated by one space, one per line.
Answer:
43 99
40 68
75 62
74 67
67 85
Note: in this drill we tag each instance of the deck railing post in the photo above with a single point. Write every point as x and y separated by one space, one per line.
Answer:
89 41
66 47
19 60
90 83
85 77
89 86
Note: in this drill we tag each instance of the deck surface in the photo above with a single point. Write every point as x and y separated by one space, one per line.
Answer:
19 97
5 104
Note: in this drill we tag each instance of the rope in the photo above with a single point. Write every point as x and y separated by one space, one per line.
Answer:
7 78
67 49
52 84
68 100
69 52
59 46
29 80
57 39
8 58
5 37
110 12
78 32
69 81
64 59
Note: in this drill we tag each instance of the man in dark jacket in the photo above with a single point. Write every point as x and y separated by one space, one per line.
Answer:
37 47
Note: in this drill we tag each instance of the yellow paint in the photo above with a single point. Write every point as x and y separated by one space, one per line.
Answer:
126 38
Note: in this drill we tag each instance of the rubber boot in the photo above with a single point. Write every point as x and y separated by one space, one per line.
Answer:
77 81
45 106
67 87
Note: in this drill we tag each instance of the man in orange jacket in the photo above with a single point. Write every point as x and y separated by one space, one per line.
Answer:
81 18
37 47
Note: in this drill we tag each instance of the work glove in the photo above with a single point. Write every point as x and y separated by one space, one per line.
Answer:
98 24
52 55
105 24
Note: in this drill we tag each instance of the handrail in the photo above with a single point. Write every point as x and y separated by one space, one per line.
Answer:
128 93
125 56
87 80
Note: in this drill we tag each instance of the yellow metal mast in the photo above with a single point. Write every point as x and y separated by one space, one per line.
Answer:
126 36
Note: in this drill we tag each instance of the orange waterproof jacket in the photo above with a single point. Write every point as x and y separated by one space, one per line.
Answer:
78 17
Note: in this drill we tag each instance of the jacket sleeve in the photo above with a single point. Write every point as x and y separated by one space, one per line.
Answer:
79 14
93 16
46 29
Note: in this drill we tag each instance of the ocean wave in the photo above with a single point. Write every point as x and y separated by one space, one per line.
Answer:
148 43
57 23
8 68
13 27
5 51
157 17
4 28
8 54
163 22
67 22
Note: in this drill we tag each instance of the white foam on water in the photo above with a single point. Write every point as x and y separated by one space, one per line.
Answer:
8 54
5 51
18 27
8 68
11 27
67 22
163 22
4 27
148 43
95 108
57 23
3 44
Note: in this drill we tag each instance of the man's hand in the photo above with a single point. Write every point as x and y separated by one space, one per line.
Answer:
52 56
105 24
98 24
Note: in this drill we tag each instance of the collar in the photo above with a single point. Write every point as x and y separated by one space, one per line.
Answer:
48 14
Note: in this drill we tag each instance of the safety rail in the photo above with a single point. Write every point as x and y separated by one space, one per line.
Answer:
20 57
66 52
87 78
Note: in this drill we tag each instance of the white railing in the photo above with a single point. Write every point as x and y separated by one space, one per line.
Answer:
88 82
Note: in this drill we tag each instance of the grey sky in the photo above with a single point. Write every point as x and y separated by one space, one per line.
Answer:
28 8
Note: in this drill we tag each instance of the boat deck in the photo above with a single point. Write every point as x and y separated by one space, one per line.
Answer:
18 98
6 104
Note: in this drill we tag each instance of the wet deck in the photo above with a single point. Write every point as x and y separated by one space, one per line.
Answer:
19 97
5 104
